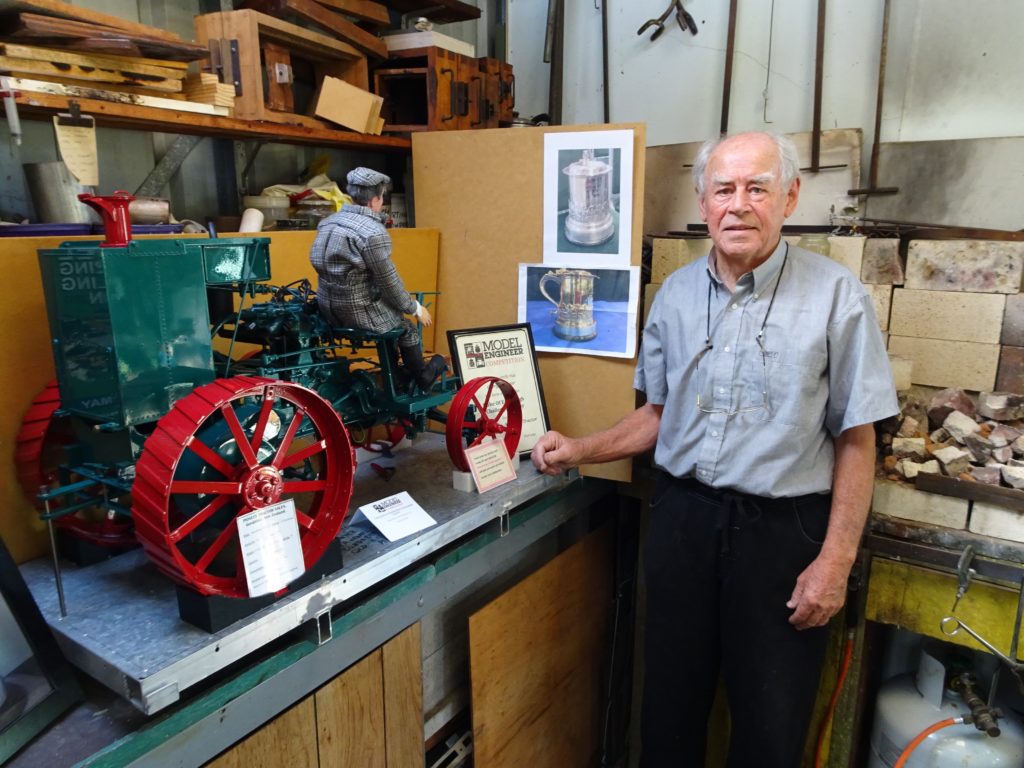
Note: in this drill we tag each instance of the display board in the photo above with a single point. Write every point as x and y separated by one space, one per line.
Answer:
484 190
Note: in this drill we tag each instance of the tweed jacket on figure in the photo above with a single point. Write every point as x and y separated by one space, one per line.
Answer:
359 285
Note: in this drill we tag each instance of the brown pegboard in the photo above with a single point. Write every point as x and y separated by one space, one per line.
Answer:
484 190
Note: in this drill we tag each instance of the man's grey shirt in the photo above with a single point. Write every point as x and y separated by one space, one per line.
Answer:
765 421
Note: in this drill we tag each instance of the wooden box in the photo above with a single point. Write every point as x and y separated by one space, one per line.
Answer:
277 66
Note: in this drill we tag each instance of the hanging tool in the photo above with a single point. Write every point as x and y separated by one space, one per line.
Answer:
872 188
730 49
683 19
964 574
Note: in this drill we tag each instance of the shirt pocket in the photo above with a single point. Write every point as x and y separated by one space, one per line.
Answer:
798 387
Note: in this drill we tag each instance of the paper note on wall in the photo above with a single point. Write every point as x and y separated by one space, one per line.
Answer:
77 145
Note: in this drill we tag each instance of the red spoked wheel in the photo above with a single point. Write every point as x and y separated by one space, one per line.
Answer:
32 468
483 409
232 446
39 451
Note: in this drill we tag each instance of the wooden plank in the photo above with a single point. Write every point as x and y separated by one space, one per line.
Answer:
403 699
347 105
77 12
1011 498
34 26
537 657
438 11
289 739
134 117
279 96
161 67
495 169
93 74
157 102
311 11
364 10
350 717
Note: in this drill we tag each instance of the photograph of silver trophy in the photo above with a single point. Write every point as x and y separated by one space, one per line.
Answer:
574 310
590 221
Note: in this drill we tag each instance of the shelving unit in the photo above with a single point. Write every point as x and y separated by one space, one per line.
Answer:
116 115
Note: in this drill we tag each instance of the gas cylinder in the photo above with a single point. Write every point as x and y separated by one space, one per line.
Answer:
909 703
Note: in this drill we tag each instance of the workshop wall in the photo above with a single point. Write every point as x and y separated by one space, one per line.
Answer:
950 74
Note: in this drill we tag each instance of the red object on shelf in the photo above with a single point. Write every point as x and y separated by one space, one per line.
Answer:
113 209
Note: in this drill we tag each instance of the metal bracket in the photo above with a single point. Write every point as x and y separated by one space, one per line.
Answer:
168 165
282 73
503 519
324 627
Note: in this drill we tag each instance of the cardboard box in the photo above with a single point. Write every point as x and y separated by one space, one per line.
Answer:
349 106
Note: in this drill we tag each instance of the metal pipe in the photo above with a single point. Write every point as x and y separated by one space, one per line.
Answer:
730 45
56 560
819 66
604 58
882 55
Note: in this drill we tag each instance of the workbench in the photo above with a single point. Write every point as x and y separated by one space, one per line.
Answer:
210 690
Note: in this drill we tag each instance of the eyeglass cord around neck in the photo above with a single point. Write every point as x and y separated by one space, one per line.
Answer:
760 333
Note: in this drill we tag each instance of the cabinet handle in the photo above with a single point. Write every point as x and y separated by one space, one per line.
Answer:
451 97
480 102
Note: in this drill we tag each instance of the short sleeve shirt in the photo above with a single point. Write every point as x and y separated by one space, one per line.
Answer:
755 413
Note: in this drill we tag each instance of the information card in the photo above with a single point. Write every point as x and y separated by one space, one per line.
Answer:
397 516
490 464
271 548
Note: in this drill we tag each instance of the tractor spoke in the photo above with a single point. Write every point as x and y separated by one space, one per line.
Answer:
304 520
498 415
210 456
198 518
261 422
248 455
302 455
202 487
304 486
289 436
218 544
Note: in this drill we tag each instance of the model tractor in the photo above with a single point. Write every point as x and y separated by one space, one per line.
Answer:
152 434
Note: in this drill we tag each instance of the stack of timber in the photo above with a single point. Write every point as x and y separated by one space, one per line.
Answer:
206 88
52 47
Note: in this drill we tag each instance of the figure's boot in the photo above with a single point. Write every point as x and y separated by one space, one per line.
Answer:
424 374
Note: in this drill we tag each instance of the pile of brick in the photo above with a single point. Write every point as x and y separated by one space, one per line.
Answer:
953 435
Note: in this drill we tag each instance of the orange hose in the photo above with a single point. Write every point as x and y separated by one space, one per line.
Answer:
905 755
844 667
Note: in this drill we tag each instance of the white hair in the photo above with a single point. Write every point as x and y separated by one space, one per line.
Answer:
788 159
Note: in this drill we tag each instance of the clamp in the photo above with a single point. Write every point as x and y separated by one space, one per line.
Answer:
683 19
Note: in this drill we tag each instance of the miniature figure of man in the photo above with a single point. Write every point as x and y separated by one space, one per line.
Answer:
359 286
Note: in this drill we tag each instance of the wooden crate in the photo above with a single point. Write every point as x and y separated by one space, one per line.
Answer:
434 89
262 43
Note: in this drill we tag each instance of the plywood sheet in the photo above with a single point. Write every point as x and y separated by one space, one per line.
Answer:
671 202
350 717
289 739
484 191
403 698
536 663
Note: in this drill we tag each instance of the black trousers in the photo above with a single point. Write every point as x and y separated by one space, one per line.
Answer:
719 568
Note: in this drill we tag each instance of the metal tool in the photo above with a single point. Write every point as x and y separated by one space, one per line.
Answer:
683 19
964 574
1014 666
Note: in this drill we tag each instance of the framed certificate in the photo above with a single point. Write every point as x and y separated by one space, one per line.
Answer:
507 352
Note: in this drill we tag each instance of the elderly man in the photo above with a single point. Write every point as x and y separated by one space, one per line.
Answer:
359 286
764 372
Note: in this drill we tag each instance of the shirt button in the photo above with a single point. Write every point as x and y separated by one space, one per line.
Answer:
721 390
714 433
735 305
754 297
726 349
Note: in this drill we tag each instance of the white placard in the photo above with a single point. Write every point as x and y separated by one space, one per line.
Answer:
490 464
397 516
271 547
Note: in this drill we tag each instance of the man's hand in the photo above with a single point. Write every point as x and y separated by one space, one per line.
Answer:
555 453
819 594
423 315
